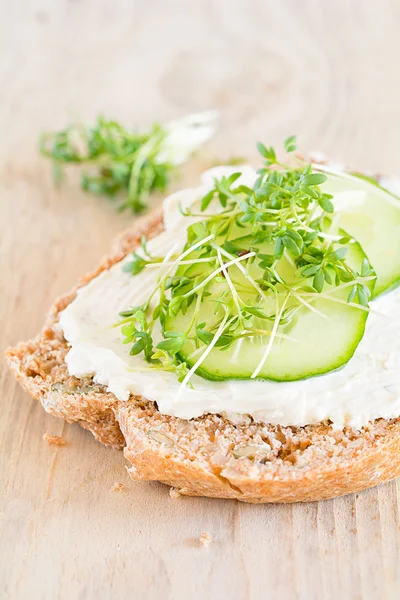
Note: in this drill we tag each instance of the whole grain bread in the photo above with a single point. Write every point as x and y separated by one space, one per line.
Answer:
209 455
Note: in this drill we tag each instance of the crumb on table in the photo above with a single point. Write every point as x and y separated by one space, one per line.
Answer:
205 539
117 487
54 440
174 493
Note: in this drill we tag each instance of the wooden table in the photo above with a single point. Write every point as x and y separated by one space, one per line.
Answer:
326 70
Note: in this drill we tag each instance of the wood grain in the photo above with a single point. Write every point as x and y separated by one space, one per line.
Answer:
327 71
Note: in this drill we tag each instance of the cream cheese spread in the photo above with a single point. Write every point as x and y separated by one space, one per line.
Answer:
368 387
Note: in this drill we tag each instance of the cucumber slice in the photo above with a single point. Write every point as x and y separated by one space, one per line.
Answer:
307 345
373 219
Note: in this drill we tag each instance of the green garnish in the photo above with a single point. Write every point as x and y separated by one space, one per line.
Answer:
260 256
126 165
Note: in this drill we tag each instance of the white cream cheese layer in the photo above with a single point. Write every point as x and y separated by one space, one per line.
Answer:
368 387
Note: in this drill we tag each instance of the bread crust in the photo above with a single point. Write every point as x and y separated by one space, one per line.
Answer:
354 462
207 456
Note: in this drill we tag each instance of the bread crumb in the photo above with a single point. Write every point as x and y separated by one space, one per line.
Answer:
54 440
174 493
117 487
205 539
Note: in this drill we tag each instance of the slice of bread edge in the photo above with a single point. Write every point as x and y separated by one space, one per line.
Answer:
39 364
208 456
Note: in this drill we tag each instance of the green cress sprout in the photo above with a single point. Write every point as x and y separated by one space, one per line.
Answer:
125 165
285 211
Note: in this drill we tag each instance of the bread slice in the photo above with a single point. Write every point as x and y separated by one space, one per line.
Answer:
209 455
